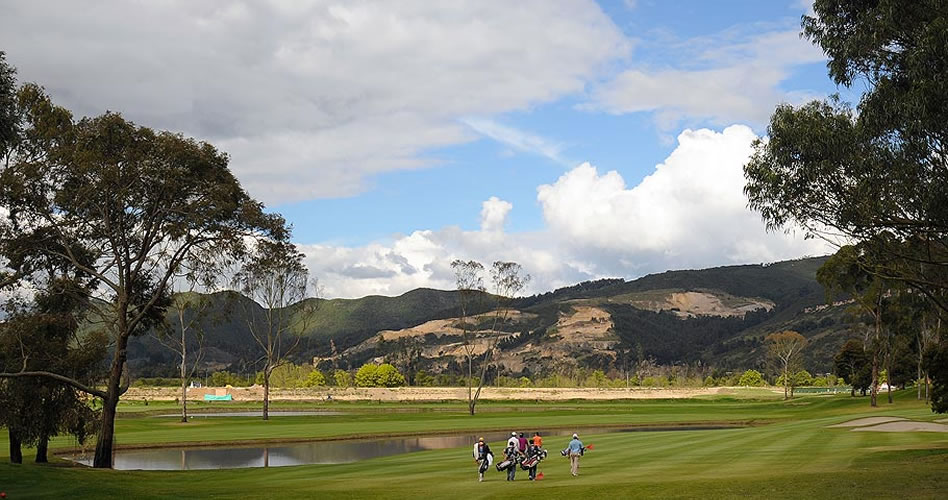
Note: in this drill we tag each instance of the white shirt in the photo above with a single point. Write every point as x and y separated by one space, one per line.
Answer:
513 441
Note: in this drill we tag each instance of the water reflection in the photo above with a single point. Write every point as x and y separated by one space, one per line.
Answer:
320 452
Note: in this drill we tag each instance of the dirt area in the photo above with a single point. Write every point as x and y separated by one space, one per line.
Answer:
862 422
690 304
585 324
255 393
905 426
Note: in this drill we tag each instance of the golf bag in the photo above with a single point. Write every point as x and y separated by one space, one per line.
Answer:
484 463
508 462
533 460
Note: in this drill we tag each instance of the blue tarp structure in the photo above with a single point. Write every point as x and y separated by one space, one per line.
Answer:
211 397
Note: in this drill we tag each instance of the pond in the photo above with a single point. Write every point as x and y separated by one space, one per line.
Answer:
255 413
327 452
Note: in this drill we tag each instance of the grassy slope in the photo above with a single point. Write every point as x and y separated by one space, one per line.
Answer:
797 456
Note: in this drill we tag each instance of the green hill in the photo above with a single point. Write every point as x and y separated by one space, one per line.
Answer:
716 317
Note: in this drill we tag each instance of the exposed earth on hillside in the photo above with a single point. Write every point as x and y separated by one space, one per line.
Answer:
709 320
695 303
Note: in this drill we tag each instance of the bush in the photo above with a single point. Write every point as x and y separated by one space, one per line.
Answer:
752 378
315 379
365 377
342 378
384 375
422 379
387 376
221 379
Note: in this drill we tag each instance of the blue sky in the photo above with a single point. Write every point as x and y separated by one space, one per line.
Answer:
581 139
632 144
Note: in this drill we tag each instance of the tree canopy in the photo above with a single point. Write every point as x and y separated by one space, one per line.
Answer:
877 173
130 207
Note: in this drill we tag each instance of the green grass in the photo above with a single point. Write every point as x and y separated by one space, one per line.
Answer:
790 454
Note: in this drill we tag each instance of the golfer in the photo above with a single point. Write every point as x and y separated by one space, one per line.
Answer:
575 451
483 456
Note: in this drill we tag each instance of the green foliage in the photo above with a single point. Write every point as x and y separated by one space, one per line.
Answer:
388 376
708 381
384 375
365 377
751 378
225 378
315 379
852 364
423 379
936 362
597 379
342 378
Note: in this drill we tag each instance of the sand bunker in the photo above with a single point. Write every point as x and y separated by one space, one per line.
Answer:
942 421
906 426
862 422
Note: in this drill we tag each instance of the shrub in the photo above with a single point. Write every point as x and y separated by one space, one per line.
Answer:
423 379
751 378
365 377
315 379
342 378
387 376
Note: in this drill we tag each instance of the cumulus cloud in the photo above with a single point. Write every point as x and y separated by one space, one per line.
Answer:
689 213
494 214
311 98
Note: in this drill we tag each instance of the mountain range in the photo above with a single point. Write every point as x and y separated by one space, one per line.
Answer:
717 317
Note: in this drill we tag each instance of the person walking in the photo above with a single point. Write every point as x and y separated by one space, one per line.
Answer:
513 441
575 451
537 440
511 454
483 456
533 458
522 444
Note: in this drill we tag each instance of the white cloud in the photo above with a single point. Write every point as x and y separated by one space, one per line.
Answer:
311 98
724 78
689 213
494 214
518 139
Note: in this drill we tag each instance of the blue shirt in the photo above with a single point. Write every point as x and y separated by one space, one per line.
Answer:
575 446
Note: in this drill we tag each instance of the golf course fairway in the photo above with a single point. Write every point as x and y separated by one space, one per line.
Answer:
783 450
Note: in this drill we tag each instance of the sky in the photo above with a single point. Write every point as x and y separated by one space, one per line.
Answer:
580 139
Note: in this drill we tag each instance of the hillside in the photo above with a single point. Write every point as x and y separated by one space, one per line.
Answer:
716 317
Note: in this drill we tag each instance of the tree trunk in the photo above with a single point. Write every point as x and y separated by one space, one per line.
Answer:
105 441
266 393
874 388
786 383
16 451
41 450
918 374
470 383
888 372
184 379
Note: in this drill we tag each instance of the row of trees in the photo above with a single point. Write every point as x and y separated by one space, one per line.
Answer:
874 179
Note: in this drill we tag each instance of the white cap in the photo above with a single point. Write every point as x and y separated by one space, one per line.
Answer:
514 434
575 436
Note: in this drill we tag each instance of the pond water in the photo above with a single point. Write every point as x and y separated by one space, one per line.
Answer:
256 413
327 452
